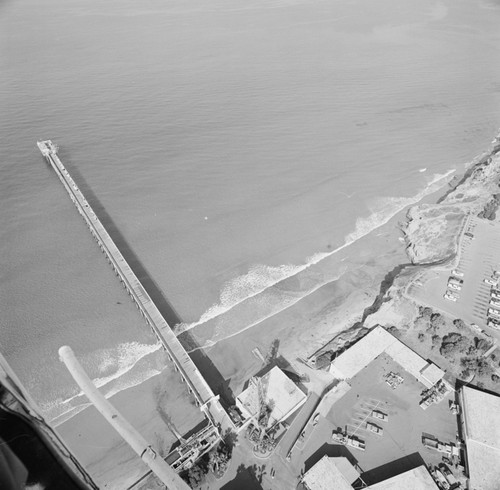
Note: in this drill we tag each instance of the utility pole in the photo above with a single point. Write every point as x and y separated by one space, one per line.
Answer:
130 435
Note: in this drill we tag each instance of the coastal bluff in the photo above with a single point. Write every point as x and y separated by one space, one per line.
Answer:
432 231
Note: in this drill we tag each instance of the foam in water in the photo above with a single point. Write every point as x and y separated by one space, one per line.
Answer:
118 362
284 303
115 364
260 278
121 359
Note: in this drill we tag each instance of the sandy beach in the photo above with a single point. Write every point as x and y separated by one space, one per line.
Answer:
149 406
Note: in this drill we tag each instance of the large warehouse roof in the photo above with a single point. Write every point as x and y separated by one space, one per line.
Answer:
379 341
481 413
325 475
415 479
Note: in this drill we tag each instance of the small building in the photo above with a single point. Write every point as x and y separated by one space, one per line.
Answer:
480 423
279 391
377 342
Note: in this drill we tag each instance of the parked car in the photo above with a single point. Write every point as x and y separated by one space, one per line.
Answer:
493 324
379 415
492 313
454 272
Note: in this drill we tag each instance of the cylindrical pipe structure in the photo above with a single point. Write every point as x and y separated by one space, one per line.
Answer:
161 469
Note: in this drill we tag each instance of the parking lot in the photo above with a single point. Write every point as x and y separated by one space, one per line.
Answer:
406 421
479 258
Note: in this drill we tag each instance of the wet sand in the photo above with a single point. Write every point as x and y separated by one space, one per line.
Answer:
100 449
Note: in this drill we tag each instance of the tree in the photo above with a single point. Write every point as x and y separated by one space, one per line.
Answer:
421 323
394 331
218 460
458 323
437 321
436 340
196 476
477 365
481 344
452 344
425 312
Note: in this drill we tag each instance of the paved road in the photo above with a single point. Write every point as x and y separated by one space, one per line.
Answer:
298 424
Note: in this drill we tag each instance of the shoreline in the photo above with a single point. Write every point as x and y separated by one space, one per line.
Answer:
347 322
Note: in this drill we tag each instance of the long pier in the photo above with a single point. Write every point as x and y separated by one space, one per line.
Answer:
204 396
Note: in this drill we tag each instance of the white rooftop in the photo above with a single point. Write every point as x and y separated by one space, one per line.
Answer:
325 475
379 341
284 394
415 479
481 413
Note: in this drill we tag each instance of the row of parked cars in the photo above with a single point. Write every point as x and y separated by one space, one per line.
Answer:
455 282
493 315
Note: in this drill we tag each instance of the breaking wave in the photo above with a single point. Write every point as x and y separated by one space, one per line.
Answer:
112 371
261 277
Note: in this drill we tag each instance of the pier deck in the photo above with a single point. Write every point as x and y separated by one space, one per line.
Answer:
203 394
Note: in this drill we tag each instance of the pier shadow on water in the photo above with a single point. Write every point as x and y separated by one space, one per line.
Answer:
207 368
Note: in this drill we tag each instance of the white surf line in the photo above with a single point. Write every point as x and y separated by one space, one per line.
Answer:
212 343
103 381
73 411
316 258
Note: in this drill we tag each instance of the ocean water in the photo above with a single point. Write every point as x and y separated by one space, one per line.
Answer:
236 145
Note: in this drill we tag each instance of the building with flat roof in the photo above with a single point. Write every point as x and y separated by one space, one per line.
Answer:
332 473
415 479
278 391
377 342
480 420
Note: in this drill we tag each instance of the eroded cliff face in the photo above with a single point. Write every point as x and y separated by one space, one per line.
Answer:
432 230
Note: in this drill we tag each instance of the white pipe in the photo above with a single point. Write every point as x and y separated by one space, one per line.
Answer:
156 463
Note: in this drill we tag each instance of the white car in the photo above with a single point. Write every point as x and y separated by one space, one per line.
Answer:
494 312
475 327
491 281
456 273
495 303
456 287
450 298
